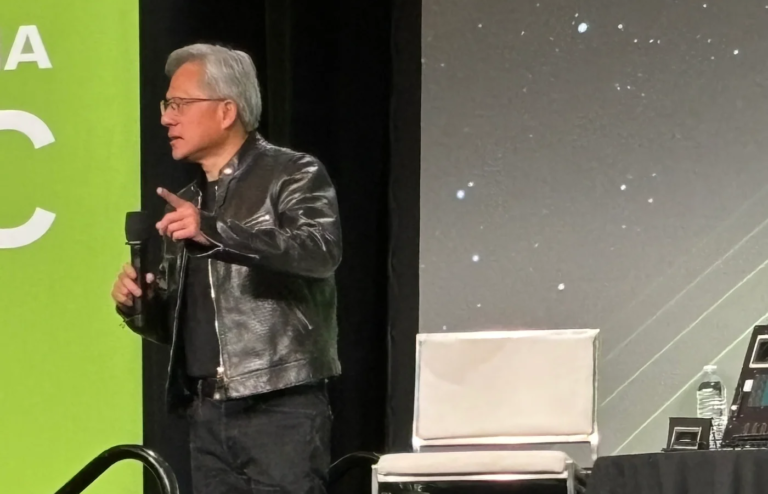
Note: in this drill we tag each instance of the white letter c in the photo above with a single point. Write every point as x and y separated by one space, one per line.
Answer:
40 222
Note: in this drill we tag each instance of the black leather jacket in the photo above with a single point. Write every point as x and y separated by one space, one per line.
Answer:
276 242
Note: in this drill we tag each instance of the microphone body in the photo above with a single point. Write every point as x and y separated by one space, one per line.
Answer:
137 231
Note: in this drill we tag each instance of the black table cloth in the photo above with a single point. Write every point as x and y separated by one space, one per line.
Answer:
695 472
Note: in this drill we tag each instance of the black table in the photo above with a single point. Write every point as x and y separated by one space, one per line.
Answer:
695 472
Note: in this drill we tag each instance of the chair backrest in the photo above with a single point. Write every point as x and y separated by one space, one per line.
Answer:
506 387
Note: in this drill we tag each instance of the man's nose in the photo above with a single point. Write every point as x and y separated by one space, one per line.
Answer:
167 120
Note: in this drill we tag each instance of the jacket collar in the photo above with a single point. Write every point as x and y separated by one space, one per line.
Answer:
238 162
253 141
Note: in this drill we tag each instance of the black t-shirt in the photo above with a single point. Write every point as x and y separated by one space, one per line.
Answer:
201 343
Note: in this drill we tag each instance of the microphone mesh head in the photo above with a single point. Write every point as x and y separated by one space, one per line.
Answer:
137 226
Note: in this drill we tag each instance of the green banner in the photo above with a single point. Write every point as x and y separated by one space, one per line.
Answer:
70 376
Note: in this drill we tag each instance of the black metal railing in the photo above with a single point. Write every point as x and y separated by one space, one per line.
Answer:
159 468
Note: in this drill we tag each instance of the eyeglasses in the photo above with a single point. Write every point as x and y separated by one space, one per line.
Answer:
176 105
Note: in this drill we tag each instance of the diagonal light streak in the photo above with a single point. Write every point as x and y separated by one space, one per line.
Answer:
685 290
694 323
697 247
665 405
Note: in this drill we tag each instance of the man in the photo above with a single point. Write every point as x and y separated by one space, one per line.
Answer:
245 294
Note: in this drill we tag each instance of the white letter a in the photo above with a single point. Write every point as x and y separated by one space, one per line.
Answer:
38 53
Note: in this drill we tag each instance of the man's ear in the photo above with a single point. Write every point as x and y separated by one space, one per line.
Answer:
229 114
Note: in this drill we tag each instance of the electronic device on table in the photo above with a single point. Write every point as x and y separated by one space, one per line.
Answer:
688 434
747 425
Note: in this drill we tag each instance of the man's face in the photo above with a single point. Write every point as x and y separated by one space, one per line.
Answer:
194 127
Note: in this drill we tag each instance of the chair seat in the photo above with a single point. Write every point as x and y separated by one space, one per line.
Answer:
473 463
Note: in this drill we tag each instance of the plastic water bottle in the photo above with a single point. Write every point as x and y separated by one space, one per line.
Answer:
711 403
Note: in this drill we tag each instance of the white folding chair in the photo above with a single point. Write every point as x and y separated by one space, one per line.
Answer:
496 390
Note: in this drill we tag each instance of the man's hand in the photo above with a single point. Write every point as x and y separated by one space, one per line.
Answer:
183 223
126 287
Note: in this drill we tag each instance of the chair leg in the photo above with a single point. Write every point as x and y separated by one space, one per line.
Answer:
374 481
570 482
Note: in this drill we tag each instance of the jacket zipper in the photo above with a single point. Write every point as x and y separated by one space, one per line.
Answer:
220 374
177 311
220 370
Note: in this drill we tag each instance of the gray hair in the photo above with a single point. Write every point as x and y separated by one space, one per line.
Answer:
229 74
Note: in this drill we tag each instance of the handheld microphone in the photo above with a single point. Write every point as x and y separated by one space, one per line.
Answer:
137 232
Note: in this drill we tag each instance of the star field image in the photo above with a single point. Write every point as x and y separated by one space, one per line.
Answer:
600 164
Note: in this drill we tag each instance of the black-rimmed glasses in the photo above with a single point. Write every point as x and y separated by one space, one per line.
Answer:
176 104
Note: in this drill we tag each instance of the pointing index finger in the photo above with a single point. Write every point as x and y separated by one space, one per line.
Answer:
172 199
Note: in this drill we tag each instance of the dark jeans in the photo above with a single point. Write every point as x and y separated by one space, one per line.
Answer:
278 442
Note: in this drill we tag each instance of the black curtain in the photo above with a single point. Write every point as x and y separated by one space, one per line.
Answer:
404 204
325 70
332 100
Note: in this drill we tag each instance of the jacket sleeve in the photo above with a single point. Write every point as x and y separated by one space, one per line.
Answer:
155 325
303 237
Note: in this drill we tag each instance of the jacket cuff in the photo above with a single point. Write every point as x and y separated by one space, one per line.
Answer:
130 318
125 314
209 229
